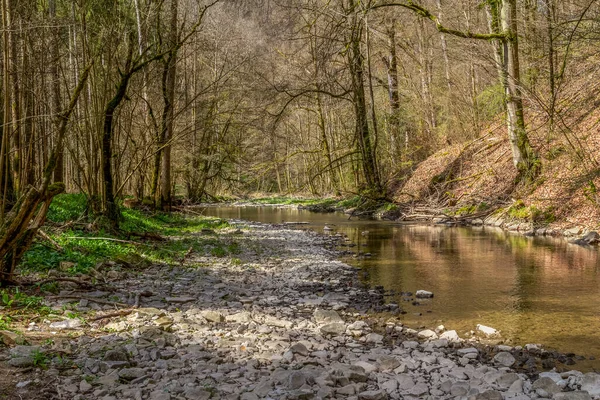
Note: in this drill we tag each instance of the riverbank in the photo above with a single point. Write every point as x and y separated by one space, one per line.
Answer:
279 317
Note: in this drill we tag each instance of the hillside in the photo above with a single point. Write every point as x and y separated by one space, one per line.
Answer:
479 175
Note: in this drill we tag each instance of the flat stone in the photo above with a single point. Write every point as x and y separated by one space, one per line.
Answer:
334 328
373 395
326 316
242 317
85 387
180 300
21 362
212 316
468 350
546 384
367 366
504 358
66 324
489 395
578 395
374 338
591 383
299 348
131 373
387 363
149 312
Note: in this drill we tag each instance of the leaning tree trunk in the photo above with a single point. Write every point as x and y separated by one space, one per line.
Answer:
525 158
29 213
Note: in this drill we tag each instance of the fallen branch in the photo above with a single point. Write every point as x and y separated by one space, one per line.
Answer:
120 313
70 280
104 302
53 242
107 239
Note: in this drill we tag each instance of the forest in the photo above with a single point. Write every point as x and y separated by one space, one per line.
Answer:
160 102
160 162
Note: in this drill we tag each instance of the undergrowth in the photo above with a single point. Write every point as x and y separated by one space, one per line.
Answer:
83 247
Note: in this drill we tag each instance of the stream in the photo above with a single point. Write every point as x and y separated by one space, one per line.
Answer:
534 290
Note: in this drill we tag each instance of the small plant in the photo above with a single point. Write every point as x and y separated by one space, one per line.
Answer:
5 323
218 252
40 359
236 261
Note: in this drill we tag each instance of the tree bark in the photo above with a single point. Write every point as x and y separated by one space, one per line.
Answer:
525 158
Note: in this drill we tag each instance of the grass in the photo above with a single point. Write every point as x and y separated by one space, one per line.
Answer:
81 250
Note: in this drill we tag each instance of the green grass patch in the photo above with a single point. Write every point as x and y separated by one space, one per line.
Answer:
82 250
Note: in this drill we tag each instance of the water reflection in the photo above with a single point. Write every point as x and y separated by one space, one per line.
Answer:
538 290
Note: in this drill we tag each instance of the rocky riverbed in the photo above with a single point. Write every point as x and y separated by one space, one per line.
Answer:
282 319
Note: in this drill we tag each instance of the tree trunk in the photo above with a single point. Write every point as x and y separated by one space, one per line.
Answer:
525 158
169 76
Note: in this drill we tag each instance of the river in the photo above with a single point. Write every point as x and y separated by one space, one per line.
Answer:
534 290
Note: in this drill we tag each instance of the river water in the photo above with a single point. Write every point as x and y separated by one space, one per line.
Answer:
534 290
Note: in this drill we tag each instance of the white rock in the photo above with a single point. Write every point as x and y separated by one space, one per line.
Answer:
66 324
486 330
450 336
427 334
423 294
591 383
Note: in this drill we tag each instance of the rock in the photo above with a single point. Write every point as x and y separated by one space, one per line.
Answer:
241 318
180 300
450 336
366 366
423 294
468 350
196 393
22 362
387 363
22 384
244 396
374 338
546 384
572 231
66 324
11 338
129 374
296 380
334 328
116 355
486 330
85 387
577 395
212 316
373 395
427 334
506 380
149 312
420 389
591 383
489 395
326 316
299 348
504 358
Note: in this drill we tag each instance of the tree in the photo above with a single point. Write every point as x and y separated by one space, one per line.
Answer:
524 156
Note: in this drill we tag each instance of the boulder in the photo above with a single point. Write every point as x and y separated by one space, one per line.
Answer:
326 316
